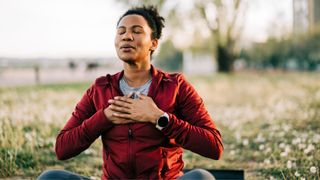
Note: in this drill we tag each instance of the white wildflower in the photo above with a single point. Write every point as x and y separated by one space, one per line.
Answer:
245 142
313 169
261 147
297 174
302 178
302 146
294 164
232 152
284 154
309 149
316 138
89 151
238 135
286 127
272 178
296 141
287 149
260 138
267 150
282 145
28 136
267 161
289 164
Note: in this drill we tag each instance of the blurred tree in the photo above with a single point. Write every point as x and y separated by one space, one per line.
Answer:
302 51
224 19
306 49
169 58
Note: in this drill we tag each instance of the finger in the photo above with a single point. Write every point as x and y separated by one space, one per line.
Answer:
123 98
119 109
143 97
140 96
120 103
122 115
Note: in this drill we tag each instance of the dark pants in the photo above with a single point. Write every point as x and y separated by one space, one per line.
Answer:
200 174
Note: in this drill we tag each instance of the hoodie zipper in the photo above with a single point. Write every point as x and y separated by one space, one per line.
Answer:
130 154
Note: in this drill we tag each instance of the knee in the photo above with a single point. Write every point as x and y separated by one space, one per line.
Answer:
51 174
200 174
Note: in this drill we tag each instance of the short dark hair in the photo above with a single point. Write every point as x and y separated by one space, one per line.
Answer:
151 15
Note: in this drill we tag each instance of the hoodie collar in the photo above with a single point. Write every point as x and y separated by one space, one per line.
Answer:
155 74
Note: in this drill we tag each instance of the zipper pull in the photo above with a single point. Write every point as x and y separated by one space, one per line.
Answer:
130 133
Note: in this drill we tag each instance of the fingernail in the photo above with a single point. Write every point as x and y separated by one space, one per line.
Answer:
110 101
116 97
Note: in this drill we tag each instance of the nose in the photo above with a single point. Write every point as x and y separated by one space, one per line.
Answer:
127 36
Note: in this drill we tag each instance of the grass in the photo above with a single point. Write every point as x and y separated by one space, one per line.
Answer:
270 125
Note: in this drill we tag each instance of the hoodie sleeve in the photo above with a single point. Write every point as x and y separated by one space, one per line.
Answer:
84 126
195 130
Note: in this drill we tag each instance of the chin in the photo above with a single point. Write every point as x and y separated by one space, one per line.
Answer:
127 59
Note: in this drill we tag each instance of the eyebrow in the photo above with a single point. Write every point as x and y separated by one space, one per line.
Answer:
134 26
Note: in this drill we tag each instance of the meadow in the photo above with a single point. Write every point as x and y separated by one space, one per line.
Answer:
270 125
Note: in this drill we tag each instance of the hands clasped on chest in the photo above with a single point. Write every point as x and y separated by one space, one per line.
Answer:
124 110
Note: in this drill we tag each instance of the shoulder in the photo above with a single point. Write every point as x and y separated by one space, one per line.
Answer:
105 80
177 77
181 82
101 82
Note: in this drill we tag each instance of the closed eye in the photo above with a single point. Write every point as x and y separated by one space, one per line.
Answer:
121 32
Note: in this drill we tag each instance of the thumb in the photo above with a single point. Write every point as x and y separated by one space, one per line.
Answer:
141 96
130 95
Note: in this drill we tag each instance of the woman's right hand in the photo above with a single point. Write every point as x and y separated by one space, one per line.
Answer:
109 113
115 120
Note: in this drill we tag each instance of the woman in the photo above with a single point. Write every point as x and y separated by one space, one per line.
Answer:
143 115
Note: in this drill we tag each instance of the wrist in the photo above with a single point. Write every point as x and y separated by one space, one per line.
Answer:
157 115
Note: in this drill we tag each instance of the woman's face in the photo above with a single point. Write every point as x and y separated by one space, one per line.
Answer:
133 41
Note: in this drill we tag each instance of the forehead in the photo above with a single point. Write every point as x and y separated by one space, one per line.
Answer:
133 20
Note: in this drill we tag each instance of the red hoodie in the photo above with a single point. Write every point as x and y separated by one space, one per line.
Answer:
140 150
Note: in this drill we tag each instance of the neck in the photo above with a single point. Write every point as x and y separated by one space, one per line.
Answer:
137 74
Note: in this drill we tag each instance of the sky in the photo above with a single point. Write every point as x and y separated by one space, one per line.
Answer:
86 28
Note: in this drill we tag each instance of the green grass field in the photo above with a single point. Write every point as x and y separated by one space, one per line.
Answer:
270 124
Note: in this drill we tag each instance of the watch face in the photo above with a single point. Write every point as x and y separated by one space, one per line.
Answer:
163 121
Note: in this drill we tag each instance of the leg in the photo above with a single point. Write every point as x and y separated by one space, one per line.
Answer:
199 174
60 174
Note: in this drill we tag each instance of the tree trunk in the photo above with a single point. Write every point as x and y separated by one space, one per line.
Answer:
225 59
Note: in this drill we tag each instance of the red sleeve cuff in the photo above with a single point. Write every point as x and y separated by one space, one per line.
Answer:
96 124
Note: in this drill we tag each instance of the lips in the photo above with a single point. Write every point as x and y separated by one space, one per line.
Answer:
127 46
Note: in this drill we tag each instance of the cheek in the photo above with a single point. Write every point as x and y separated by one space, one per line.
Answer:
116 41
145 44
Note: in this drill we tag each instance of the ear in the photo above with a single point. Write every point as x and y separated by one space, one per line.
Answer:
154 44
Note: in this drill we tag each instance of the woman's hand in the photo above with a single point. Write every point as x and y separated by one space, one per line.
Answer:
109 113
142 109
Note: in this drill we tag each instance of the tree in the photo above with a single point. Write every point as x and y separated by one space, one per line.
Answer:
223 19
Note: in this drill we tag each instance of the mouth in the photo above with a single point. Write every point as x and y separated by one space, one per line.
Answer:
127 47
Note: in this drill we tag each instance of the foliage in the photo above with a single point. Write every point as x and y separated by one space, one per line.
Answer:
169 58
295 53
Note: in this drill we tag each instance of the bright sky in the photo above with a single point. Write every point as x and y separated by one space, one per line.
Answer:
86 28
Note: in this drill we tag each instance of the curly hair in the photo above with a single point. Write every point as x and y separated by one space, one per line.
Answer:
151 15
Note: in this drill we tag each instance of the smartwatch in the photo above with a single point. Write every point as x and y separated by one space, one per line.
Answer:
163 121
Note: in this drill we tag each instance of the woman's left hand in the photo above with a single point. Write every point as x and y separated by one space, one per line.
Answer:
142 109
